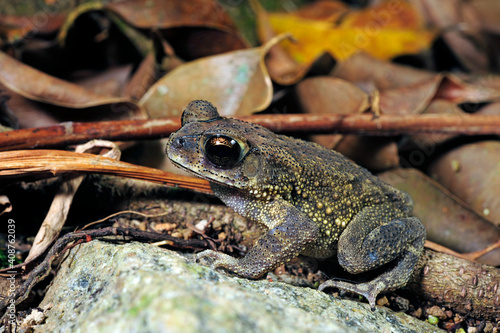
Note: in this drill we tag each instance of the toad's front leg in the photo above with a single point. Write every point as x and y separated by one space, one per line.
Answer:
280 244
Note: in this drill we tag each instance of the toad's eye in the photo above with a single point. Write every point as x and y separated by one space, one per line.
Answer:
223 151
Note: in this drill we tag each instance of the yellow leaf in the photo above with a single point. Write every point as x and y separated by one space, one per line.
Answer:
391 29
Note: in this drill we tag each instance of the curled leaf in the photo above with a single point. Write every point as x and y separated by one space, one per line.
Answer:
236 82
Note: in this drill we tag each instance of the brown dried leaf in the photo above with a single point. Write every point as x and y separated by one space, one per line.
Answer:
209 29
413 89
5 205
35 85
331 95
469 89
488 12
29 114
143 78
457 20
109 82
490 109
282 68
237 82
147 14
472 173
438 106
323 10
410 99
365 70
15 28
447 219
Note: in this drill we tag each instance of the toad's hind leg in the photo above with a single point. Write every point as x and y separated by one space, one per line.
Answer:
363 246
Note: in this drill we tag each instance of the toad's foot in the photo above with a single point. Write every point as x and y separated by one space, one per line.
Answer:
215 260
369 290
240 267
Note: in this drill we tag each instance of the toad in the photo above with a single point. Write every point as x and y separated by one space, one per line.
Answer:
310 200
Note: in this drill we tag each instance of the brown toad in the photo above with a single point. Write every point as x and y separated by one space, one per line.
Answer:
311 200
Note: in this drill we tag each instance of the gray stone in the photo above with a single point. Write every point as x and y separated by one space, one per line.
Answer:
136 287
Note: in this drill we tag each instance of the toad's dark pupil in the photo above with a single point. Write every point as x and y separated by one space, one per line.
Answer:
222 151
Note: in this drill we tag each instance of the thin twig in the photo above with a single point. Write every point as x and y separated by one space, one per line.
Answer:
384 125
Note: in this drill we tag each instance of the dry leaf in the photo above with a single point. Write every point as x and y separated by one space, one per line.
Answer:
29 114
447 220
431 140
413 98
109 82
364 70
15 28
472 173
5 205
237 82
385 31
323 10
490 109
474 89
488 12
282 68
405 89
174 13
331 95
208 29
458 21
35 85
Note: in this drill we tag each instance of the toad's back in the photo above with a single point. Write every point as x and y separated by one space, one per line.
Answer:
329 188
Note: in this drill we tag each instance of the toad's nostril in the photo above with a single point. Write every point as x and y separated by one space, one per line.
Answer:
179 143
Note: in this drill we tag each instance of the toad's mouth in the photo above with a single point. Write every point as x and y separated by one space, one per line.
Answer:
202 176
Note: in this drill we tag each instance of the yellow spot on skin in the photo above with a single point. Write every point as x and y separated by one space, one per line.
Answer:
319 205
337 221
343 224
327 232
328 211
